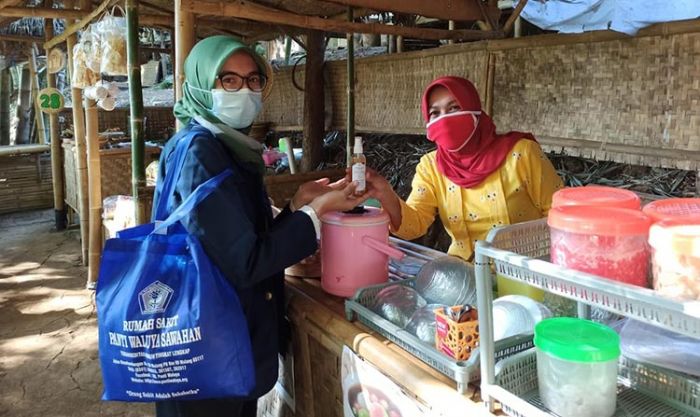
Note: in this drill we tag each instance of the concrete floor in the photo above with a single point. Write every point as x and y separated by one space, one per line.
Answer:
48 328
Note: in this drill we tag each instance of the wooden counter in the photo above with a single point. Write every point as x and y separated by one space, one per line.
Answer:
319 332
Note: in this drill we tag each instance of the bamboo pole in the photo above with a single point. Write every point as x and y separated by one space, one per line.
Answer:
451 26
287 49
518 27
511 19
24 106
95 192
252 11
399 44
80 156
184 41
350 128
56 151
38 115
5 89
490 75
24 149
138 170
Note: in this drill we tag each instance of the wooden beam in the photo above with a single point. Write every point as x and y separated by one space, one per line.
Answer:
446 10
80 25
156 20
314 102
251 11
71 14
492 24
155 7
6 3
45 12
22 39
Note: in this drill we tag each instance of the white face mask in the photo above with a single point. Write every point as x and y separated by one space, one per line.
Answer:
236 109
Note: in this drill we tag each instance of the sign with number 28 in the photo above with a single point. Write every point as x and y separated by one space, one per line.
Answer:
50 100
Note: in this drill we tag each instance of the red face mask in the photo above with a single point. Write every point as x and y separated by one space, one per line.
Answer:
452 131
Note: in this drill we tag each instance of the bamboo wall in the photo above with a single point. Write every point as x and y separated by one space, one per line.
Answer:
159 121
25 183
599 95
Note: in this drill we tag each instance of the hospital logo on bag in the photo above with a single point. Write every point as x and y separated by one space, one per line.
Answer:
155 298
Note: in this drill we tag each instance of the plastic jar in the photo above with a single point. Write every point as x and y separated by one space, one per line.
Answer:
676 259
679 209
605 241
596 195
577 367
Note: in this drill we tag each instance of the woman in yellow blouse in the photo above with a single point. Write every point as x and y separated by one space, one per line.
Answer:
475 180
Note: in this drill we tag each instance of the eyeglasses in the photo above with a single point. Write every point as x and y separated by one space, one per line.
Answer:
230 81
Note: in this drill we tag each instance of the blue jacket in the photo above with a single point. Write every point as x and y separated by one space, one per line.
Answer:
238 233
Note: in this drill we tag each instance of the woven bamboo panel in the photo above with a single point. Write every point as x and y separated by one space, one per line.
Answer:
388 92
285 106
633 100
159 121
25 183
116 169
387 89
597 95
116 172
325 374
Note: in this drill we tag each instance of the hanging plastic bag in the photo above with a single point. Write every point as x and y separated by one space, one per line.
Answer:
93 50
112 30
81 74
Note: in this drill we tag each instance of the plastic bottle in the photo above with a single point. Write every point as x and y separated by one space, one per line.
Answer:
359 164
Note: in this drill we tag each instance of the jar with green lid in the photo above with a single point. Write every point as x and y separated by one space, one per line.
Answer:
577 367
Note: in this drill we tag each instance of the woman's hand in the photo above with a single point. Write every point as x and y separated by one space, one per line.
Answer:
338 200
312 189
378 187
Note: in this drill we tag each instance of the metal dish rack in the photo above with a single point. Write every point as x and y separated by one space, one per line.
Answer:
646 390
462 372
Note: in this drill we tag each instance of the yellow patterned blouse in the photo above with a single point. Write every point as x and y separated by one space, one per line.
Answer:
520 190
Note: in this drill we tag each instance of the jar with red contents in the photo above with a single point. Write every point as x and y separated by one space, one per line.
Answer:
596 195
609 242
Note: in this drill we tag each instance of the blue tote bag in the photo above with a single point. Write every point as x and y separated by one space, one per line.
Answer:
170 325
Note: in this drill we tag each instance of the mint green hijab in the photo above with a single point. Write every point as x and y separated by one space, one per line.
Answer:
201 69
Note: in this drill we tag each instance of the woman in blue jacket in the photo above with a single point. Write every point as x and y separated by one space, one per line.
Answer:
221 97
